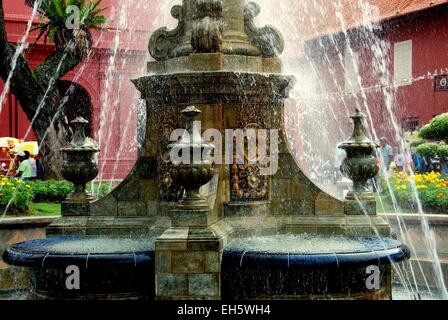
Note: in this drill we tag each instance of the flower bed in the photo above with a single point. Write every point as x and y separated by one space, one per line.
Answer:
432 189
15 195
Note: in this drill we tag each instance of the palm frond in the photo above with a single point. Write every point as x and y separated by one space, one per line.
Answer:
56 13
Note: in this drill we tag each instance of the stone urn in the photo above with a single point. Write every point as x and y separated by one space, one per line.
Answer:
360 164
195 169
79 165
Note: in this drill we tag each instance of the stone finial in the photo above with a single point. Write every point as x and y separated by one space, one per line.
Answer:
216 26
79 165
360 165
192 173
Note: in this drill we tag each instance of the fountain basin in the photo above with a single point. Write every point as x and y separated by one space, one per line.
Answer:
109 268
309 267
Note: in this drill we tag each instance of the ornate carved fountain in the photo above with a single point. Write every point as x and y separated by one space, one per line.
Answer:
218 60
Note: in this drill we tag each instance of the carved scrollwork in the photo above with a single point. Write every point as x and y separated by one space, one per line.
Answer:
268 39
167 123
207 29
163 42
247 183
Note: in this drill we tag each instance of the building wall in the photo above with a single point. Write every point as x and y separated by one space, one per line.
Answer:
428 31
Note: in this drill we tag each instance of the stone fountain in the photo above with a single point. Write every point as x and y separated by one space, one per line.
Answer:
216 243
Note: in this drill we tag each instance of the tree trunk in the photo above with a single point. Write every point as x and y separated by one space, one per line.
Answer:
38 94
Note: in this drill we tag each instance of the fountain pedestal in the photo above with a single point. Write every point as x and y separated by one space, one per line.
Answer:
79 168
188 253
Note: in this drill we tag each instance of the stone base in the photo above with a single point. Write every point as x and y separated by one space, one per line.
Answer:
248 209
190 218
188 263
361 205
106 226
324 225
75 208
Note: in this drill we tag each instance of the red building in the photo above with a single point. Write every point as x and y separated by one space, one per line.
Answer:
387 56
119 54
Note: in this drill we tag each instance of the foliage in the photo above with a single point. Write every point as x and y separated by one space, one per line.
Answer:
56 12
51 191
437 129
432 190
15 195
58 191
429 150
40 197
417 142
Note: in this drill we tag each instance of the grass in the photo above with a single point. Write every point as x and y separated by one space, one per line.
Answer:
41 210
45 209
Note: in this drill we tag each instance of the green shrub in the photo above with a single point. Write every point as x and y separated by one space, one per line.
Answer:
417 142
437 129
64 189
58 191
15 196
51 191
430 150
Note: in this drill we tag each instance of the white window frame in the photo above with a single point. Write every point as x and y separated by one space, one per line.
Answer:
403 64
352 68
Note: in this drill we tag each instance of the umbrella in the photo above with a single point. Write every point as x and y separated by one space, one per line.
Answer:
31 146
9 143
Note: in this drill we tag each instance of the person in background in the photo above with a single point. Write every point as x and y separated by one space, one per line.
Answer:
27 168
39 167
418 162
443 162
434 163
387 154
399 161
33 165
